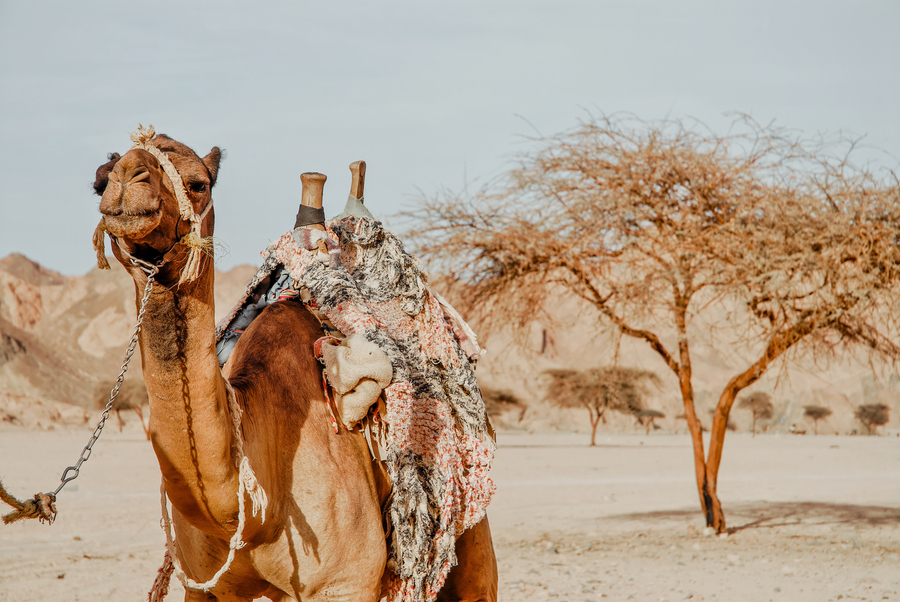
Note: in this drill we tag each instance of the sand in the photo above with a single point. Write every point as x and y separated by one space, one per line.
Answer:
814 519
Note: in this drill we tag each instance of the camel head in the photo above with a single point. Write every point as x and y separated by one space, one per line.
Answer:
154 212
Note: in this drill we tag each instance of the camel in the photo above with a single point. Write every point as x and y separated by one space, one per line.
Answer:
132 396
322 537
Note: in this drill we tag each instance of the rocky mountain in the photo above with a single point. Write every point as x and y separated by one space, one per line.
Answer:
61 336
574 339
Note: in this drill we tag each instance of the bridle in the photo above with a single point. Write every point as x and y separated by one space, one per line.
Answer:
170 254
197 245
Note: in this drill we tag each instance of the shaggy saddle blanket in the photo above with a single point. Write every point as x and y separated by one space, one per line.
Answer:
438 444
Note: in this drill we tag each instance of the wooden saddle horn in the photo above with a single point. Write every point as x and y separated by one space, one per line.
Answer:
311 214
354 206
358 182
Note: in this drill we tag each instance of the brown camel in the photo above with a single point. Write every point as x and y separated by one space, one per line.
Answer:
322 536
132 396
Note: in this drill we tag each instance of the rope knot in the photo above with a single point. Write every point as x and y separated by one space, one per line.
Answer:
42 507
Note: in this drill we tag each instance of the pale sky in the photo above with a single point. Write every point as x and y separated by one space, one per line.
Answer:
433 95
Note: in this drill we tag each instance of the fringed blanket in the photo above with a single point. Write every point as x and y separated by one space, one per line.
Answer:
438 445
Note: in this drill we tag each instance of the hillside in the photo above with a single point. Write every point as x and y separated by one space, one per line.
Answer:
579 342
61 336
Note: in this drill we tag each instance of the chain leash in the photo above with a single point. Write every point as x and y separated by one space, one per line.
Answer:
71 472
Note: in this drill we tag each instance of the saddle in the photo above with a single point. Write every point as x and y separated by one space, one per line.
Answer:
388 338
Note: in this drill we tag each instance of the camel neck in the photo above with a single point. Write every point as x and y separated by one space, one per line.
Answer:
190 424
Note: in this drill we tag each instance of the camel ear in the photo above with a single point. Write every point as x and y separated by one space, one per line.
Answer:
212 164
102 177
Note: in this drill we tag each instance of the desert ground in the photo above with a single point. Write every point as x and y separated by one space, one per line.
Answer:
811 518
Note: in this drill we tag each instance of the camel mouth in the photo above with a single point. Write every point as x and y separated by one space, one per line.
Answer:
134 227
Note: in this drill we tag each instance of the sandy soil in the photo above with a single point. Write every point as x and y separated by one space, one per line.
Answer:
813 519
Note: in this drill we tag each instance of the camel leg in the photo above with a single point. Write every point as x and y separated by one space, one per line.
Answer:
193 595
474 578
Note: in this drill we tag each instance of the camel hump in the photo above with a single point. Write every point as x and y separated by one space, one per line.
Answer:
278 342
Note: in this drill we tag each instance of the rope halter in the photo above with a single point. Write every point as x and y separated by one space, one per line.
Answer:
142 139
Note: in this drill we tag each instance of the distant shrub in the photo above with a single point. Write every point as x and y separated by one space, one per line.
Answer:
760 404
873 415
646 418
816 413
600 389
498 401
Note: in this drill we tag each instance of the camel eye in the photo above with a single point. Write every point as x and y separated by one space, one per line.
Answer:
198 187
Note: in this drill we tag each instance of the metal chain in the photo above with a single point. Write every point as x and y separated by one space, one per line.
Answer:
151 271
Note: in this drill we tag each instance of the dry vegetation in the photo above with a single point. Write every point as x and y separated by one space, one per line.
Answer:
873 415
760 405
500 401
651 224
816 413
600 389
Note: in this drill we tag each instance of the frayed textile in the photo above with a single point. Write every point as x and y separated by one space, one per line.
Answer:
438 443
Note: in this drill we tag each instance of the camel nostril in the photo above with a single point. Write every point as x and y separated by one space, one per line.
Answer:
111 201
134 174
139 176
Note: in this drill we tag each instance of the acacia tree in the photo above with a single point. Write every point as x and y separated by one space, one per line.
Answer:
760 405
873 415
498 401
652 224
816 413
614 388
646 418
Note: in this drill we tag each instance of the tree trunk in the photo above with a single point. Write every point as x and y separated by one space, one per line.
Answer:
696 429
774 349
716 445
684 372
707 469
595 421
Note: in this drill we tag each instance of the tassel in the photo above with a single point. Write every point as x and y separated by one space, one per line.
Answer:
163 577
100 246
196 246
254 490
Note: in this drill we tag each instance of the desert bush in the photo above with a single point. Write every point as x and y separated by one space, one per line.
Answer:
646 418
816 413
873 415
614 388
499 401
760 404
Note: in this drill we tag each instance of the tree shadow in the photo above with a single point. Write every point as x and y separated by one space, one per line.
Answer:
767 515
